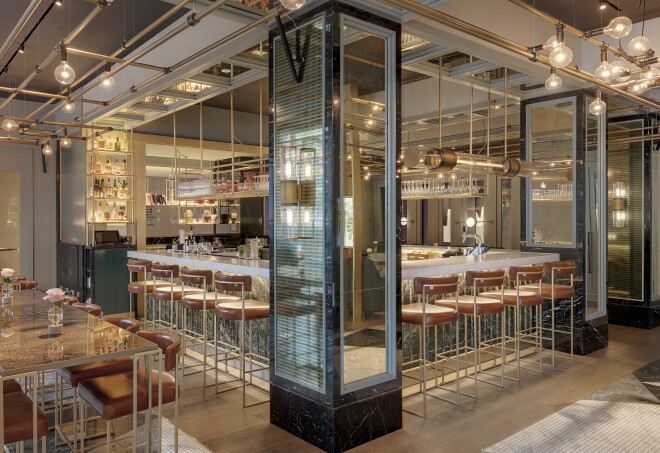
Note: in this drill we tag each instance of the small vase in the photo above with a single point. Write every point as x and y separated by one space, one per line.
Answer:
7 294
55 316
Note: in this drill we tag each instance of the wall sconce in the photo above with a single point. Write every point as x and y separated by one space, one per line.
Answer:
405 221
472 222
297 191
619 204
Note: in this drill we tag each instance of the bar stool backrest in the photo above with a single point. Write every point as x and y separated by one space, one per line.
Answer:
196 276
484 279
159 270
135 265
131 325
525 273
225 282
168 344
559 268
92 309
70 299
436 285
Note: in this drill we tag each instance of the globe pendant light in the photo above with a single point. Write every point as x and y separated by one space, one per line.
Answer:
621 72
65 73
293 5
551 43
597 107
619 27
639 46
604 72
65 142
637 87
108 82
561 55
553 82
650 75
46 150
9 124
69 107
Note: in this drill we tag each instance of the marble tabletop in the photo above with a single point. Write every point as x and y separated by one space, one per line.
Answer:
254 268
25 345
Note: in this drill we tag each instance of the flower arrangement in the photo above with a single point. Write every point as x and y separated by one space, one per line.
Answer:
55 296
7 290
7 274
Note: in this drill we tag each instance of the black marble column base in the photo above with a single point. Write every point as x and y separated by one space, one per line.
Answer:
340 428
588 337
624 313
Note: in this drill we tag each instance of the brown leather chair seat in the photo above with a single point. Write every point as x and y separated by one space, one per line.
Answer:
27 284
232 311
70 299
18 418
513 297
435 314
11 386
561 291
173 292
466 305
112 396
132 325
92 309
74 375
197 301
145 287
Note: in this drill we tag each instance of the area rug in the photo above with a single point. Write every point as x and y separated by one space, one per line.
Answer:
622 417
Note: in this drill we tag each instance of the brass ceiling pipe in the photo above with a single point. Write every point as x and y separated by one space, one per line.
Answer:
22 22
575 31
493 38
54 53
125 46
107 58
54 123
46 95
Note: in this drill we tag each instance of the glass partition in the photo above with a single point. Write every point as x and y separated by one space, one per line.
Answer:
368 212
551 146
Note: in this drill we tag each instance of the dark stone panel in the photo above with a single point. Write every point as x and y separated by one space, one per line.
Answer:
339 429
70 267
633 314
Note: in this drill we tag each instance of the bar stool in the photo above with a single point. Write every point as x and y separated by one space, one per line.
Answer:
18 420
243 310
476 306
92 309
146 286
70 299
558 271
519 298
199 302
72 376
131 325
426 315
170 292
27 284
111 396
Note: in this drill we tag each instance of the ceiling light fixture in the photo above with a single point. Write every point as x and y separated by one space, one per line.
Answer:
561 55
9 124
65 142
69 107
46 150
604 72
621 71
602 5
553 82
108 82
639 46
597 106
619 27
21 48
64 73
293 5
58 2
637 87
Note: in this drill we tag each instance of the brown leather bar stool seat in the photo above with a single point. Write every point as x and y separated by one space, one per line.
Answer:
111 397
92 309
69 299
435 315
469 305
18 419
17 278
549 291
74 375
11 386
27 284
132 325
173 293
233 311
514 297
198 301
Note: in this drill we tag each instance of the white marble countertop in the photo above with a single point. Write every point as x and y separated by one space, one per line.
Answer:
494 259
254 268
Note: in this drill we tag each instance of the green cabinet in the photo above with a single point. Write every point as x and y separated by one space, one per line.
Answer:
108 278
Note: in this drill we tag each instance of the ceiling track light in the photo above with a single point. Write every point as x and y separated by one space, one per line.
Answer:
58 2
21 48
64 73
602 5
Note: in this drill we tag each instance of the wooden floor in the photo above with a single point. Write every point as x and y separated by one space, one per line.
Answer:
220 423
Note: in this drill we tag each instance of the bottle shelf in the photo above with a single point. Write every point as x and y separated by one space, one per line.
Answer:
127 175
108 151
111 222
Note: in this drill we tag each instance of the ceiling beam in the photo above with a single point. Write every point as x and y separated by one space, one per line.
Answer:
472 68
427 52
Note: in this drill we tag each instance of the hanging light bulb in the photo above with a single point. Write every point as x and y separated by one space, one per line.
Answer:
561 56
639 46
108 82
619 27
369 122
553 82
637 87
604 72
46 150
597 107
64 73
65 142
650 75
293 5
9 124
621 72
551 43
69 107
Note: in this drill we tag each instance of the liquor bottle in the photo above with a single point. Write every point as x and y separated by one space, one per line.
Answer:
97 164
124 167
90 165
115 191
116 169
113 214
124 185
108 189
122 212
108 167
117 145
106 213
101 189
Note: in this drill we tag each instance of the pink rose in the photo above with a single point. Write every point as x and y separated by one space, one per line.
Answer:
54 295
7 273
